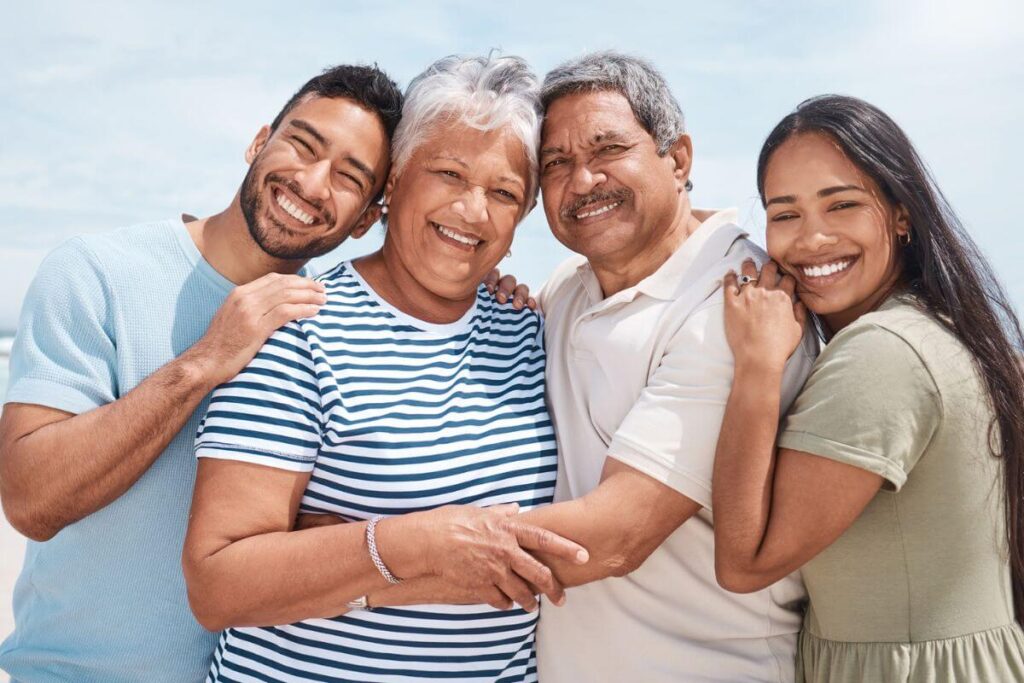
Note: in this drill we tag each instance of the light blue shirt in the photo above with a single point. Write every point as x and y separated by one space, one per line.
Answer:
104 600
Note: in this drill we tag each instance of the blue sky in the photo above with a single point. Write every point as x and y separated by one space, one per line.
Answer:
120 112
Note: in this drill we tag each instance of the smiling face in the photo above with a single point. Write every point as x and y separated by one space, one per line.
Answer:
607 193
311 181
454 206
831 228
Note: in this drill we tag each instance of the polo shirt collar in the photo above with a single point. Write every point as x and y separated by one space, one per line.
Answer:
706 246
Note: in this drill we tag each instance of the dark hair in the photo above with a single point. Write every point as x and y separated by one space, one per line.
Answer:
943 269
367 86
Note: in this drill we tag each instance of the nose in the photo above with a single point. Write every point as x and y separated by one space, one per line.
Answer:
815 234
315 180
584 180
471 205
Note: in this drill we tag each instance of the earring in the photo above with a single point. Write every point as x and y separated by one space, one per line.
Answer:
688 185
508 254
384 206
904 239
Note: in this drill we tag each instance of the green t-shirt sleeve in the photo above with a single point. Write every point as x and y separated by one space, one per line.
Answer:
870 402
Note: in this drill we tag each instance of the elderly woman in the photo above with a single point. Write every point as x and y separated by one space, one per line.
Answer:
412 406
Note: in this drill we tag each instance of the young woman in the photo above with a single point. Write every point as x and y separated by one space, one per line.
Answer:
896 480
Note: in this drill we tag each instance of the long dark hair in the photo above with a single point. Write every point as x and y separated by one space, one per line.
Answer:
944 270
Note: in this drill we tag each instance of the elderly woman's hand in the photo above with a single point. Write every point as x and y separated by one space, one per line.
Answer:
482 547
763 322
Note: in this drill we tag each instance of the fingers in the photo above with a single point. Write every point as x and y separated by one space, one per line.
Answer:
769 277
800 312
491 281
538 575
506 288
519 297
729 283
520 593
496 599
542 540
749 268
531 303
788 285
283 313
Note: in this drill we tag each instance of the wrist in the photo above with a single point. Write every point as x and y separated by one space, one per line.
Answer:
759 371
199 371
401 546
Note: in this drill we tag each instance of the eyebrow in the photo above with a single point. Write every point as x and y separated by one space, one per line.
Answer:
826 192
303 125
609 136
360 166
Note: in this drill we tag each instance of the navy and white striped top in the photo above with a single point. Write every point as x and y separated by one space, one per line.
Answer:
392 415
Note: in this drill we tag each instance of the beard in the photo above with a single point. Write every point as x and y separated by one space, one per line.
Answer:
272 236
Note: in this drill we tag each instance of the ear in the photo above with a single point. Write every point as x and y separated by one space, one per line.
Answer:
257 144
681 154
902 220
366 221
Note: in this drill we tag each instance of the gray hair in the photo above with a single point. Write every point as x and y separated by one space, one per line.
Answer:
634 78
486 93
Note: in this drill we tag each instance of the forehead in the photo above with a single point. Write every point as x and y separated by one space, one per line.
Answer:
345 125
497 150
810 161
586 116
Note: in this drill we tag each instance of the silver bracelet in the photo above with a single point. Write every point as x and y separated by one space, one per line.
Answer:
371 543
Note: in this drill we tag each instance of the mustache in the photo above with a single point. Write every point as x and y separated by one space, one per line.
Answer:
295 189
569 211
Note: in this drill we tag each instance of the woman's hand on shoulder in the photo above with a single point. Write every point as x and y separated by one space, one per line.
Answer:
764 322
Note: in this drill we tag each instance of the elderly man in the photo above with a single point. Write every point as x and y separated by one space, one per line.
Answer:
639 371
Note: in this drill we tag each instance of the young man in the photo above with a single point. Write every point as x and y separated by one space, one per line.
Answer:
121 338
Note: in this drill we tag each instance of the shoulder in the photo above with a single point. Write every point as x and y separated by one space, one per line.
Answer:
564 279
140 243
900 327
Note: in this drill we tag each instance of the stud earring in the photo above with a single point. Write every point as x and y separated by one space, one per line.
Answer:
508 254
688 185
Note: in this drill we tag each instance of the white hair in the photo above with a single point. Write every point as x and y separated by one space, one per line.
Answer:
485 93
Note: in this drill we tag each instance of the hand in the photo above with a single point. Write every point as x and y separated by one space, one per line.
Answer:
504 288
763 322
250 314
481 548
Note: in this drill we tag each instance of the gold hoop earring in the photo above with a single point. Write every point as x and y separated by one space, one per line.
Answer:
904 239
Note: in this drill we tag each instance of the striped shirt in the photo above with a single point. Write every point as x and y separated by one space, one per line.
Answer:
392 415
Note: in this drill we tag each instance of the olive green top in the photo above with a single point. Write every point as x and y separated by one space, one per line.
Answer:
918 588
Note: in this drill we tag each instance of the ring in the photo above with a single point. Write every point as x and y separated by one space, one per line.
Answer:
745 280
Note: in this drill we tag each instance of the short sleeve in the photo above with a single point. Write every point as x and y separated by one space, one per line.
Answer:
65 351
671 432
870 402
270 414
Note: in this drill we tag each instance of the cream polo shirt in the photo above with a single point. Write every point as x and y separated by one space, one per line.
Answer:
643 376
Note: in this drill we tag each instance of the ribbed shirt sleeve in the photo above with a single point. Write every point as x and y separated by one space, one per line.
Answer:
65 352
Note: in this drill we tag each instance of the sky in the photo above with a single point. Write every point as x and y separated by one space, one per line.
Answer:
115 113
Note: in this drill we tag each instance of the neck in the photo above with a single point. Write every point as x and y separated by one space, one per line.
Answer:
387 274
619 272
224 241
837 321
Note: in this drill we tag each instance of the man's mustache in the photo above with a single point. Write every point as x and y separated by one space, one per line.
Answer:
570 210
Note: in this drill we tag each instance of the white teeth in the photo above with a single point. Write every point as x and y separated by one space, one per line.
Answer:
826 269
471 241
597 212
293 211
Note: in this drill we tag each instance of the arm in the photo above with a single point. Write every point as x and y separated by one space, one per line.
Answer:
773 511
621 523
244 566
57 467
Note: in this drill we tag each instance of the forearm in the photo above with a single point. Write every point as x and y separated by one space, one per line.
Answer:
67 469
744 466
289 576
620 523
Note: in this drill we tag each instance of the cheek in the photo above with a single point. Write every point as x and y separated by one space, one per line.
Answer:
778 241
